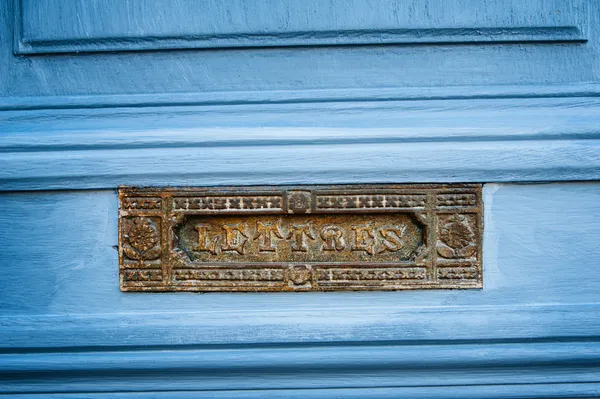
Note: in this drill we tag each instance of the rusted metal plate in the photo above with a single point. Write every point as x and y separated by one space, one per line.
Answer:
307 238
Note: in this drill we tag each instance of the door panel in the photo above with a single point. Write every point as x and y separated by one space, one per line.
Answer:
99 94
101 26
63 314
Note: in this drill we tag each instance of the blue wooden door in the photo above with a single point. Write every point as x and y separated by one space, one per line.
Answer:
97 94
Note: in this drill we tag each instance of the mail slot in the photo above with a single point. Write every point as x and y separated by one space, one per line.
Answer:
370 237
372 199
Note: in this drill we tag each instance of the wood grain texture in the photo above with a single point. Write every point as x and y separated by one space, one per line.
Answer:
364 96
179 24
517 391
65 327
274 69
546 139
307 114
302 368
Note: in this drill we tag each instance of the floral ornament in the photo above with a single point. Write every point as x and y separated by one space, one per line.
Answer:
141 240
299 276
456 238
299 202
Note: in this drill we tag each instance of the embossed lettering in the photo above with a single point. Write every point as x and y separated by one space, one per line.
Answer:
303 238
391 238
298 233
204 241
364 238
236 236
333 238
267 232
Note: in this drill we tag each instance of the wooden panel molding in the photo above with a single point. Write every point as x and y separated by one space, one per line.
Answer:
320 142
113 25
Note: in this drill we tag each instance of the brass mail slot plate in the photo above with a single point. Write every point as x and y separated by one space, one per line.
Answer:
305 238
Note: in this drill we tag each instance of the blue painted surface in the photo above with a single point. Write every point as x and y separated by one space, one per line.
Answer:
114 25
506 111
98 94
348 142
67 328
299 68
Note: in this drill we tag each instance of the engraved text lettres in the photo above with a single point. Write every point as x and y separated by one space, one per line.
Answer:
236 237
333 238
364 239
304 238
298 234
391 238
204 241
267 233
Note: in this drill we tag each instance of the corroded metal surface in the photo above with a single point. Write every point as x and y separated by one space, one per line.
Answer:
307 238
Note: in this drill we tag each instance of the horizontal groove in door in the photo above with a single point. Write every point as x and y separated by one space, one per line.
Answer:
160 25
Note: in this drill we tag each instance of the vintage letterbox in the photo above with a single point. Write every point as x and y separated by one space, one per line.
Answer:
299 199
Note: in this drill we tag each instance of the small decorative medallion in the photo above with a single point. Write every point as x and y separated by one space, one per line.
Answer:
299 276
309 238
141 240
299 202
457 237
